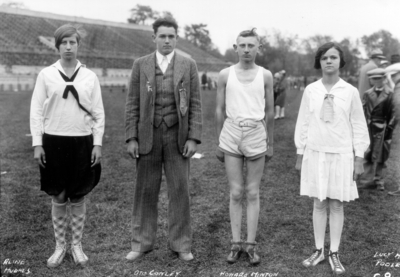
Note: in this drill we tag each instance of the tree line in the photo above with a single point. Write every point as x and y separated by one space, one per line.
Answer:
288 52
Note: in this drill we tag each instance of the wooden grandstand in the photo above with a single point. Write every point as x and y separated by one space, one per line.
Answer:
109 48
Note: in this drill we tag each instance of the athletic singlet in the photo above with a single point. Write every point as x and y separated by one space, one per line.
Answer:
245 101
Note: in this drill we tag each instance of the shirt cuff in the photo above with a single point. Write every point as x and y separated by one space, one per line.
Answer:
300 151
195 140
129 139
37 141
359 154
97 140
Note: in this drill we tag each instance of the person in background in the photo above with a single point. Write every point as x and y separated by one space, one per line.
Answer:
163 123
393 76
331 137
280 88
277 78
67 126
245 96
380 115
384 64
204 80
395 58
376 57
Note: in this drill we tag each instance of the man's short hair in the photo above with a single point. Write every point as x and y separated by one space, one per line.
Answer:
323 49
166 22
68 30
249 33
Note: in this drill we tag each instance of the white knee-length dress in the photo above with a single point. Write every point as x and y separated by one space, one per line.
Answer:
328 148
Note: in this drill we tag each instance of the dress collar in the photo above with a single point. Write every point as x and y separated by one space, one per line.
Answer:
339 84
57 65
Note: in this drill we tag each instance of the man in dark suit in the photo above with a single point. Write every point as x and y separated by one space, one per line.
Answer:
379 110
163 127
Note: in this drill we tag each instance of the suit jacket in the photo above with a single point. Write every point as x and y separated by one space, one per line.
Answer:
139 110
363 81
379 112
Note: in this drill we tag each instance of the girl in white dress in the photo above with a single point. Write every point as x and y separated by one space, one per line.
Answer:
331 137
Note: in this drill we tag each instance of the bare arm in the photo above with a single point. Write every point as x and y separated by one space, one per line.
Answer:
220 108
269 112
220 102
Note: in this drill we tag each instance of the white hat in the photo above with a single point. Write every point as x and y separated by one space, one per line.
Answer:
392 69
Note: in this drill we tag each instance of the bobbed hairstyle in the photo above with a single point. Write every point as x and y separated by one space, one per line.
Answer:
68 30
166 22
323 49
249 33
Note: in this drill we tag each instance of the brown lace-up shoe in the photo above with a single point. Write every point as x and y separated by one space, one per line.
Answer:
250 249
236 251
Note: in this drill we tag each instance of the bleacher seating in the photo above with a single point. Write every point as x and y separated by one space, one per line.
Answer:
107 45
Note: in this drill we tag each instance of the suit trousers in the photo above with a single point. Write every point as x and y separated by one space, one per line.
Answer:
373 171
146 191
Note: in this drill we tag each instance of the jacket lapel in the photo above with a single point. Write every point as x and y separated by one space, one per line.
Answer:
379 99
150 72
179 70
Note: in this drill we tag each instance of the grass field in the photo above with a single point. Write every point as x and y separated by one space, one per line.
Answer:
285 233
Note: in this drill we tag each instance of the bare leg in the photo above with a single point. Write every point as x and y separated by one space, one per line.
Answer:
59 198
255 170
277 112
283 112
234 171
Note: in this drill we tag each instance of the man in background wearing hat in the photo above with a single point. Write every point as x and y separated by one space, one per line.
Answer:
395 58
393 76
374 62
380 115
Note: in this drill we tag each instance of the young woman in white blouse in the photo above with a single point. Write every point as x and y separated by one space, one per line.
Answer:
331 137
67 126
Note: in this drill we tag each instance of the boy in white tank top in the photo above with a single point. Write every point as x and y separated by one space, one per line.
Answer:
245 96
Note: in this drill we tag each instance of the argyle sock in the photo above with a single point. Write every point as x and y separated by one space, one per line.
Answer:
59 217
78 216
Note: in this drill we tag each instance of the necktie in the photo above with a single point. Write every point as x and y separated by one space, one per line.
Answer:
71 88
327 108
164 64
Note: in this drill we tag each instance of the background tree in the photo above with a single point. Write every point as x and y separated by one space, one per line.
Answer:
284 45
142 14
199 35
231 56
382 40
15 5
351 56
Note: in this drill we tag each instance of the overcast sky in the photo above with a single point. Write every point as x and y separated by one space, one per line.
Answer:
226 18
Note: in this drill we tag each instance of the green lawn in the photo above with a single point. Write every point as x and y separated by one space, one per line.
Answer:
285 233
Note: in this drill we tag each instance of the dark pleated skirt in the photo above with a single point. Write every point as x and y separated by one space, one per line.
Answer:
68 166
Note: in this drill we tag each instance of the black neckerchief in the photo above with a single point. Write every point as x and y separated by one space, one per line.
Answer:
71 88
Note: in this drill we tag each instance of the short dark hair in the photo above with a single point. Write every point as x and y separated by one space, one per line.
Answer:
249 33
323 49
395 58
68 30
166 22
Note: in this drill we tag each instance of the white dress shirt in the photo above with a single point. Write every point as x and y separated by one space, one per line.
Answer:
160 58
347 133
52 114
